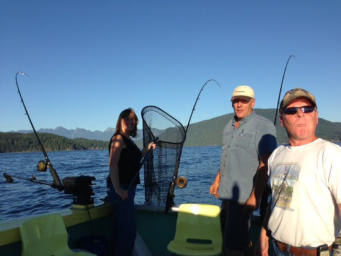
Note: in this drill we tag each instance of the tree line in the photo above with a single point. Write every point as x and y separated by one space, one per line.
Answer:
19 142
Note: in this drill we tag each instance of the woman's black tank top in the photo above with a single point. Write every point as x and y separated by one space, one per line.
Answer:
129 162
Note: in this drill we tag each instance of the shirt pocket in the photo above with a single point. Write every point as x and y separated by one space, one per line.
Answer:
245 140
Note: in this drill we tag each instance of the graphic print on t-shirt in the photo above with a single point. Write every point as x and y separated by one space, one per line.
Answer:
284 178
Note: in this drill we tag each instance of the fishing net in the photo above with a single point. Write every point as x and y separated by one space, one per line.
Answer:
163 164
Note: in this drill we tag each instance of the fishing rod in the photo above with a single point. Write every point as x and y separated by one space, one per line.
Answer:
280 88
264 203
9 179
78 186
196 101
182 182
42 166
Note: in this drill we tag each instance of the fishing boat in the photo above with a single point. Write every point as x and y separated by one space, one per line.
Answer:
89 227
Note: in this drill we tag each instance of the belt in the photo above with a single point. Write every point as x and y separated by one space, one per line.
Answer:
297 251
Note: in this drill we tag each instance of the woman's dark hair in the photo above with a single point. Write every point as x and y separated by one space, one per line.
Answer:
127 113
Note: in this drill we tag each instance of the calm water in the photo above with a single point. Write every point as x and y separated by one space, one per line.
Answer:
22 198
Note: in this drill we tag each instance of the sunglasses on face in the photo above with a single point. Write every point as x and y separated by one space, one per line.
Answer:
242 100
294 110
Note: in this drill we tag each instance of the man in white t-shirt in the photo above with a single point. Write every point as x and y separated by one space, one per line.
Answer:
304 216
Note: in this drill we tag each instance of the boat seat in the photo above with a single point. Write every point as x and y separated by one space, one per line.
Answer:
198 230
46 236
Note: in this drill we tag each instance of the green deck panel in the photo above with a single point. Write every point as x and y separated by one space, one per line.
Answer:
157 229
99 228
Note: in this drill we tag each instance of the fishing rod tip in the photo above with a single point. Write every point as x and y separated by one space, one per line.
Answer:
213 80
22 73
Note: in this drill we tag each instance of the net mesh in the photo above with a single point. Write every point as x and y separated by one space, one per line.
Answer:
160 167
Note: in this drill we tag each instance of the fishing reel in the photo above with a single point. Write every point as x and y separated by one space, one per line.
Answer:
181 182
8 178
41 166
81 189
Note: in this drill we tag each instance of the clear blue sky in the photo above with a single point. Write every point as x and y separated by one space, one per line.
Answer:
88 60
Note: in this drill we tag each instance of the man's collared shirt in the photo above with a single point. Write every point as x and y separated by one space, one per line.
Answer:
241 149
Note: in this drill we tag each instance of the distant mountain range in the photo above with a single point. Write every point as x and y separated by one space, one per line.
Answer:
208 132
77 133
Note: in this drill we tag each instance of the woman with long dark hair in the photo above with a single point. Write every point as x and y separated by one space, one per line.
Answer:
124 163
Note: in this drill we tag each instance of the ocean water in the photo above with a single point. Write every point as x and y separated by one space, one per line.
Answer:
23 198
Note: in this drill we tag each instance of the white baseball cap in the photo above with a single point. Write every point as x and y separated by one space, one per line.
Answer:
243 91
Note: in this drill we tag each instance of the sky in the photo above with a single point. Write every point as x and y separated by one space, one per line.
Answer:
89 60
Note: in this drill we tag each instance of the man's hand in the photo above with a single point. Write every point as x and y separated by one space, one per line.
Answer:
251 202
215 186
214 190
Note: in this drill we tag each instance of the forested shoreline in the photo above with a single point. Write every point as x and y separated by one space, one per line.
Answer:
27 142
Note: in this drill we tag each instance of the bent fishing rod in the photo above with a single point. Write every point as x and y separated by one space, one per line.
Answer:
42 166
170 195
266 192
280 88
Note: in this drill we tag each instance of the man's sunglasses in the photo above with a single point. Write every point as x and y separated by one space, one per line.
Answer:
294 110
242 100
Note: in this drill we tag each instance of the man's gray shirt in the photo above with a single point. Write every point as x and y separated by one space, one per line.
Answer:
241 149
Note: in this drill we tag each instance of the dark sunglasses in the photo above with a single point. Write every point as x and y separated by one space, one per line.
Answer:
242 100
294 110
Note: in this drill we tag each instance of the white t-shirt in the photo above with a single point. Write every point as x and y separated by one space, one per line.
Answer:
306 188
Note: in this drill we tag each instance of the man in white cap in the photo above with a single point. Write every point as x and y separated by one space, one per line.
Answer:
305 177
248 140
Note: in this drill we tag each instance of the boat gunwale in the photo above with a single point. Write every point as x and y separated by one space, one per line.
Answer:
78 214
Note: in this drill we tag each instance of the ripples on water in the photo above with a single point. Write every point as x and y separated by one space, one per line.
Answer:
22 198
